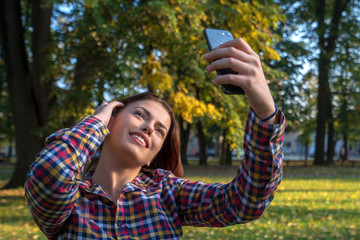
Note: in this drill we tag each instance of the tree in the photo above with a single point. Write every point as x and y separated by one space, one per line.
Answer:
306 120
347 96
28 91
321 25
166 39
30 55
7 136
108 49
327 36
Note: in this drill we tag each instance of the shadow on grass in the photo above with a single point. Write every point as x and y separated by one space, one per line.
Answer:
13 207
314 190
14 210
301 213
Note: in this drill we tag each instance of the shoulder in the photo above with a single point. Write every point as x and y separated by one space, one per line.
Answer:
160 177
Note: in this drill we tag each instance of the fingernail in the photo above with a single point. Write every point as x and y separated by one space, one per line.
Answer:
207 68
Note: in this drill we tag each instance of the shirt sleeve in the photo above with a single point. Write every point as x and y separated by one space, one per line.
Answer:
248 195
51 189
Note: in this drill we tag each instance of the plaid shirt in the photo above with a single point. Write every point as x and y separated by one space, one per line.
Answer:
65 207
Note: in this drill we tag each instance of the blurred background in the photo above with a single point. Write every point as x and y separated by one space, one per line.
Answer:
60 59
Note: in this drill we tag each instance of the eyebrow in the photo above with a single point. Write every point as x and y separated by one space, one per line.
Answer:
147 113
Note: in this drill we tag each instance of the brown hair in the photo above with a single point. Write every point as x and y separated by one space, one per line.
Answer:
168 157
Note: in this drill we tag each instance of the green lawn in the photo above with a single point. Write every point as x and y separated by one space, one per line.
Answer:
311 203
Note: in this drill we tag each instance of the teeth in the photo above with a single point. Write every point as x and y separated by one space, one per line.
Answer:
140 139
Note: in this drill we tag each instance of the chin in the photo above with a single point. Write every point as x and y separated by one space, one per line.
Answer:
134 157
131 154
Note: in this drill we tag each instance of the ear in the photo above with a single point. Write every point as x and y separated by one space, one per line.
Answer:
111 122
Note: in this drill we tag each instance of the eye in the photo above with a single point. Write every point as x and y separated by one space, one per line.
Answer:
140 114
161 131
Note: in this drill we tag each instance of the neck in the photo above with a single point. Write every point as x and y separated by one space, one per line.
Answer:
112 176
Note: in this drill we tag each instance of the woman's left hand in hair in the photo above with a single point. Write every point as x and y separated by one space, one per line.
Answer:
239 56
105 110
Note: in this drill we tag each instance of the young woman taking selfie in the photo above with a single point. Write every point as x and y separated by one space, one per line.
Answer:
136 190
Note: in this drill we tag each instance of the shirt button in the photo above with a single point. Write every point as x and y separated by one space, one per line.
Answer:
119 224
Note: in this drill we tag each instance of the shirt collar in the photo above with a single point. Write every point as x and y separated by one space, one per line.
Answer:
141 182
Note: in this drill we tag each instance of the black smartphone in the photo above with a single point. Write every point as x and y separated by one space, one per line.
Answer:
214 38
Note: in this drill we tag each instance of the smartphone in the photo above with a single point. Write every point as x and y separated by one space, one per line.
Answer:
214 38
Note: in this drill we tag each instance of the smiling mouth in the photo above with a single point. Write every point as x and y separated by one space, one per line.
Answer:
139 139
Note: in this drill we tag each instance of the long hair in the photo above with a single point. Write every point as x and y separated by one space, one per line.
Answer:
168 158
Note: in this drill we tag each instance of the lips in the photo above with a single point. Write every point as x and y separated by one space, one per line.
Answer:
140 138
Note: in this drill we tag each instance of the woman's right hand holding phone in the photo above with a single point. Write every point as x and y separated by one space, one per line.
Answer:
239 56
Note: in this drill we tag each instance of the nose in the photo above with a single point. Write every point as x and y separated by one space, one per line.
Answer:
147 129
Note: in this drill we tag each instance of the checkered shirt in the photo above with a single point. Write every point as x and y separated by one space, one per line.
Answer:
65 207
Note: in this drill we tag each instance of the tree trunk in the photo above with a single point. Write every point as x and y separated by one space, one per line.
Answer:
21 93
306 151
328 35
322 109
228 160
345 138
202 144
201 136
323 67
222 154
41 39
101 91
80 94
225 157
85 70
10 149
184 138
331 143
88 60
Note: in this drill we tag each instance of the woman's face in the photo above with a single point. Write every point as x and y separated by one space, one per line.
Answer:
138 132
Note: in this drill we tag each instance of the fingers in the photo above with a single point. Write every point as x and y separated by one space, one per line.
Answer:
235 54
238 56
233 63
106 110
226 52
116 107
232 79
108 106
111 104
115 104
240 44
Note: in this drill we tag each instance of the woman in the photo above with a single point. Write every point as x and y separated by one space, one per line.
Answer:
136 191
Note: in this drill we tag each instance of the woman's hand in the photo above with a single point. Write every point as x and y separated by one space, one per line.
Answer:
105 111
238 55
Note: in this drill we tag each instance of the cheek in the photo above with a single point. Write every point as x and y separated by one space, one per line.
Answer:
161 143
118 124
117 132
113 124
157 144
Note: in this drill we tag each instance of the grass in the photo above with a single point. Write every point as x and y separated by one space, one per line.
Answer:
311 203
